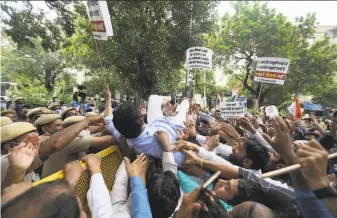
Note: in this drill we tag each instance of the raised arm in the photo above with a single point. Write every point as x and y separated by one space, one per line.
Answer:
20 159
60 139
107 95
228 171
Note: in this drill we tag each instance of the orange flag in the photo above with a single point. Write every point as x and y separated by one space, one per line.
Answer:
298 112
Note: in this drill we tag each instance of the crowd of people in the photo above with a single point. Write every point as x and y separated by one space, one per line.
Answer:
179 161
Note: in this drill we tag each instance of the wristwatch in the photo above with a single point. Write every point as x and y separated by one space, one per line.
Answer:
327 192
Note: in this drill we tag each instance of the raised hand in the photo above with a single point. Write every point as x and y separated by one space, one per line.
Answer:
182 134
212 141
164 141
191 158
254 122
215 127
192 117
72 172
313 158
185 145
106 92
22 156
244 123
138 167
97 120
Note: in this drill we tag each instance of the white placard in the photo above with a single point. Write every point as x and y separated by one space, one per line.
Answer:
291 109
234 109
99 17
199 57
271 111
271 70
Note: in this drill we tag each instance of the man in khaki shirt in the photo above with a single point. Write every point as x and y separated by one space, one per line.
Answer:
11 135
50 124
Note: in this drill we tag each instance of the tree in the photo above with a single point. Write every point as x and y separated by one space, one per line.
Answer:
150 40
34 47
256 30
33 62
23 25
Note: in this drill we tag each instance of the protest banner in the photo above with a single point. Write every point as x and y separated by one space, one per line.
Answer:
271 111
271 70
99 18
312 107
243 99
199 57
234 109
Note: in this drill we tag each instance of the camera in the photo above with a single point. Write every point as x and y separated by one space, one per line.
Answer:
81 92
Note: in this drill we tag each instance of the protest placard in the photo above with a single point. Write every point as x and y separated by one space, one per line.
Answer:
313 107
271 70
99 17
199 57
234 109
271 111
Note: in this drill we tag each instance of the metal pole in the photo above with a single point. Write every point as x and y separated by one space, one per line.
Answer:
205 100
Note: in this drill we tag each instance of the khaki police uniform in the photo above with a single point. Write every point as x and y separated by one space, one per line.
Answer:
72 151
5 121
38 111
10 132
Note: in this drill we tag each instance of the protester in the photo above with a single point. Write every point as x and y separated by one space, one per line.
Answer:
68 112
21 111
10 114
35 113
56 107
170 148
81 142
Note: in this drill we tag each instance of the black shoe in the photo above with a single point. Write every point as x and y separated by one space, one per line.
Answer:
174 97
187 93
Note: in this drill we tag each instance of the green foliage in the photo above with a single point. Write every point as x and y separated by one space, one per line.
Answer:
328 96
33 62
22 25
35 94
149 43
256 30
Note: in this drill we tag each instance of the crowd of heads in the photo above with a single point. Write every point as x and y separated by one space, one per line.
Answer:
242 149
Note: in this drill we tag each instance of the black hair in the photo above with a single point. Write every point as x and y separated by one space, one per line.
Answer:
257 153
75 96
215 208
48 200
327 141
127 120
163 190
253 192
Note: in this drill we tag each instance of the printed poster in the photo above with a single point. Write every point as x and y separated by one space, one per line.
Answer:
271 70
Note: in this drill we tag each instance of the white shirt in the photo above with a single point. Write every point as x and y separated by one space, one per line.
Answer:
99 201
121 207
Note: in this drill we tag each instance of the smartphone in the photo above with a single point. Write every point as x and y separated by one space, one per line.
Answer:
211 179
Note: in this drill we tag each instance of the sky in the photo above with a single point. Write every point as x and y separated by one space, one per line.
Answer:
326 14
326 11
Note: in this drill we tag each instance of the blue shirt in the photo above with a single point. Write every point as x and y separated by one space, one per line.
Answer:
310 206
140 206
146 142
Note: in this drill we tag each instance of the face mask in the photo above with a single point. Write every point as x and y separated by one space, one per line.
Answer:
51 131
